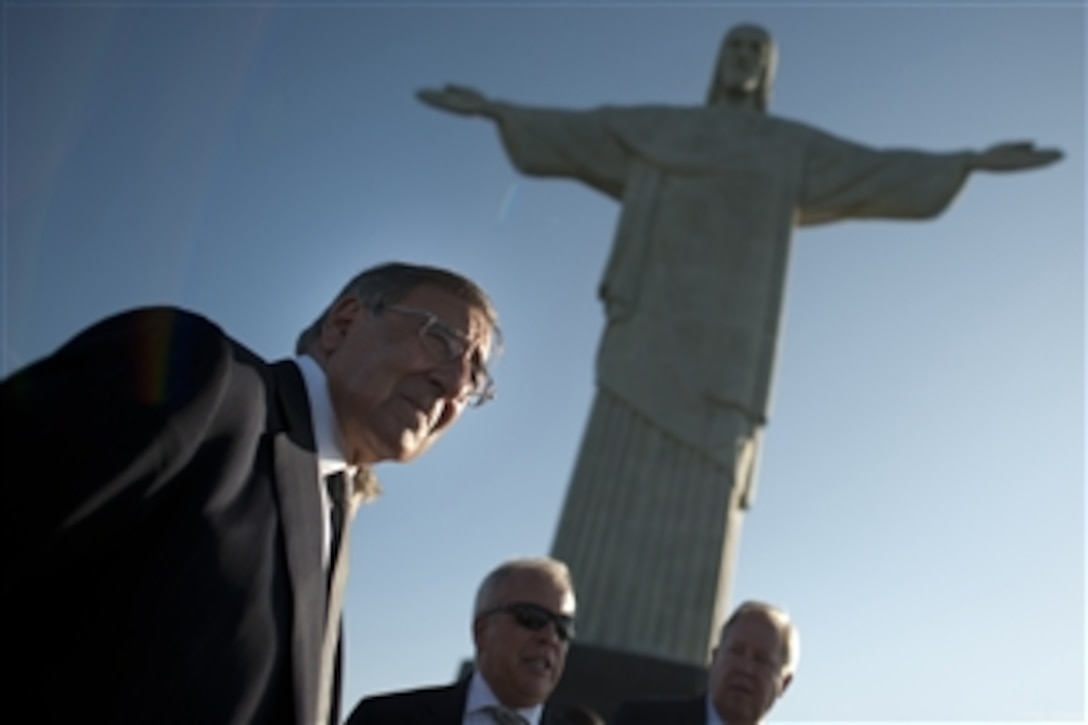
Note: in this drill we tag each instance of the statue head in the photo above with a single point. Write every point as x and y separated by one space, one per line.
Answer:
744 71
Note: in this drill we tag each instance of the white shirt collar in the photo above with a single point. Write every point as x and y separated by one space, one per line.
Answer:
480 696
330 450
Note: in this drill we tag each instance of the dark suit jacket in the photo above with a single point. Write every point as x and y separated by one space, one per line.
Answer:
661 712
428 706
162 529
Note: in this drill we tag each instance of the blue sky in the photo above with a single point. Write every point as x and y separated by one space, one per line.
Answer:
921 504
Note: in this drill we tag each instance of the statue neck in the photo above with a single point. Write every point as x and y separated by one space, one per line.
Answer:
741 99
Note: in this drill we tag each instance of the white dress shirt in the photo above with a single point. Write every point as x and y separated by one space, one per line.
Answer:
481 696
330 450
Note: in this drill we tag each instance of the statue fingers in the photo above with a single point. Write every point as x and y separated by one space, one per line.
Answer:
461 90
1011 147
1049 156
456 99
430 96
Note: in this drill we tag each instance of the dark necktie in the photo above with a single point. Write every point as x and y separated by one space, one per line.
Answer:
335 485
339 486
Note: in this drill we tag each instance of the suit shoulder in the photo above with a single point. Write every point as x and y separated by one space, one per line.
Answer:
155 358
394 707
425 693
150 334
141 326
148 319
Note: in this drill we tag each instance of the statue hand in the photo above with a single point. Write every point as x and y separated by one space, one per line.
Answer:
1013 157
457 99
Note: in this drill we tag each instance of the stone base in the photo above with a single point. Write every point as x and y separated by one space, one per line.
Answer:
601 679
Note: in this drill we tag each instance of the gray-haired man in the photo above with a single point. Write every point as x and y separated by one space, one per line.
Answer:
751 667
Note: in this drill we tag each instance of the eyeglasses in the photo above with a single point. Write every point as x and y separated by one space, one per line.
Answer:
535 618
445 344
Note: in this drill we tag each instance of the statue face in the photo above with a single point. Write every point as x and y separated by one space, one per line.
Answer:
744 59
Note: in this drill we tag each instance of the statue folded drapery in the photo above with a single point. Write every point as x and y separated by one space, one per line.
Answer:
694 285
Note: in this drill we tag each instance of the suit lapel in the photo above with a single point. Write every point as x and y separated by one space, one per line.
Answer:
447 706
295 477
696 711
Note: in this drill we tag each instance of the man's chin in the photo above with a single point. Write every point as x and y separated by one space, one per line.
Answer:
409 448
735 711
397 447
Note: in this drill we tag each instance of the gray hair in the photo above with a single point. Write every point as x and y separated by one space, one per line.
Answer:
791 639
488 594
389 282
717 91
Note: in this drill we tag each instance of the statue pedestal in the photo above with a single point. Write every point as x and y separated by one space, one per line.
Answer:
602 678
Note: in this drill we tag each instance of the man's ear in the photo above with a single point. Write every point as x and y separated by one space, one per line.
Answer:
335 326
785 683
478 626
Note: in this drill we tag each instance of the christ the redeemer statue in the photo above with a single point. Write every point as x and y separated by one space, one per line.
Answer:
693 293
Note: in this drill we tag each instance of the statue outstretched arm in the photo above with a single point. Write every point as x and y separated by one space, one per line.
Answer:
547 141
461 100
1015 156
846 180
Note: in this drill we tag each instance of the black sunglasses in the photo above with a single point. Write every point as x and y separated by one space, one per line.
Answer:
535 617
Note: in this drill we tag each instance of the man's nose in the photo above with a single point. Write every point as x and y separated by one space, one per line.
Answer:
454 377
746 664
550 633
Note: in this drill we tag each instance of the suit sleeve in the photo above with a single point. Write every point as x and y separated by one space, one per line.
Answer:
94 432
626 714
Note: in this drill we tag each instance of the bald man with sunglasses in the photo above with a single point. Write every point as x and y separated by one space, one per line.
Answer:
522 625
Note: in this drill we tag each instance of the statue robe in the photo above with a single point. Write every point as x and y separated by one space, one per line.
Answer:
693 292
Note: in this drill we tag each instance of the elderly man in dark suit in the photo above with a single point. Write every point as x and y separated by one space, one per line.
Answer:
173 553
751 667
522 626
